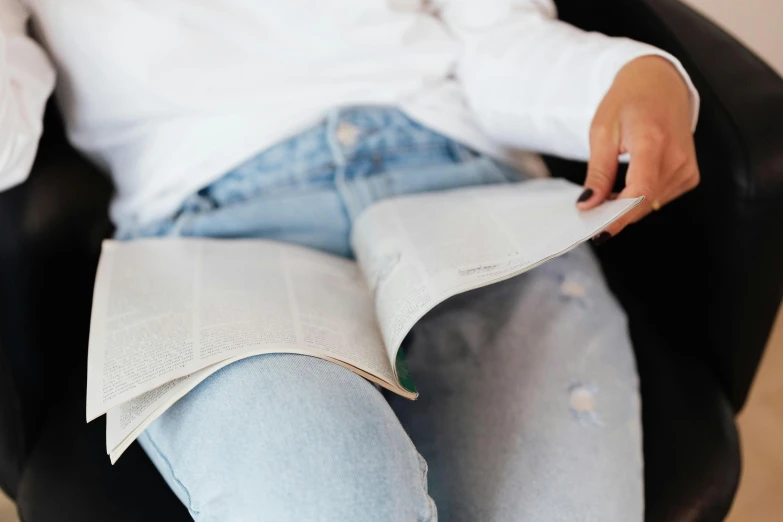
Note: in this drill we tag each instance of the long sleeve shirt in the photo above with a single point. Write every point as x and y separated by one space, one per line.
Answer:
166 96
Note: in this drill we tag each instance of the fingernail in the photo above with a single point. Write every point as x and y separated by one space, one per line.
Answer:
602 238
585 195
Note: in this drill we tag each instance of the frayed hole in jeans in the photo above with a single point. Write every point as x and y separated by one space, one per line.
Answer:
582 401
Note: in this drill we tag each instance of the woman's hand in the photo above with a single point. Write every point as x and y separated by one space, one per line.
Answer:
646 113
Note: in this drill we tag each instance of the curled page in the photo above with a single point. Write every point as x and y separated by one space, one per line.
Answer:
417 251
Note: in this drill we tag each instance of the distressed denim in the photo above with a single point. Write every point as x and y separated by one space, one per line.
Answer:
529 407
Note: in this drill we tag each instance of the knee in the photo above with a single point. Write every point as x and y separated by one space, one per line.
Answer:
298 438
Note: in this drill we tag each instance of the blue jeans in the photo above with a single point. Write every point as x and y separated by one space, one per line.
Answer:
529 408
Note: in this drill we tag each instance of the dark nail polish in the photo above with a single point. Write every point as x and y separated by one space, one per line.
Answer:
585 195
602 238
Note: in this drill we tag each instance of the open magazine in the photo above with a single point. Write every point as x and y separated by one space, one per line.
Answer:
169 312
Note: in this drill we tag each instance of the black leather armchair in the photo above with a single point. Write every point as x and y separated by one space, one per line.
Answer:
701 281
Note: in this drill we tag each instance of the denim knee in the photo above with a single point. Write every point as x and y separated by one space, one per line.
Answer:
289 437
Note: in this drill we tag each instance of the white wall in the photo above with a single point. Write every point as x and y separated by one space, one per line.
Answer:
757 23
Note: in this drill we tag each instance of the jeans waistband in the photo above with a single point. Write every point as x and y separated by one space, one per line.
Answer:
362 153
357 132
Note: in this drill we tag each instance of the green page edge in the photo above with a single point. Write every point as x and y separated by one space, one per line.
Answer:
403 373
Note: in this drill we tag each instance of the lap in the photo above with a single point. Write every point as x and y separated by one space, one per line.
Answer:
528 411
528 407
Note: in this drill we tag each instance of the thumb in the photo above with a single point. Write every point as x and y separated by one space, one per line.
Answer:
601 169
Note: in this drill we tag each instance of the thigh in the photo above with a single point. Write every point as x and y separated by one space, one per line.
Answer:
529 408
289 437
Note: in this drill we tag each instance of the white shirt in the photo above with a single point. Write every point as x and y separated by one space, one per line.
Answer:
167 95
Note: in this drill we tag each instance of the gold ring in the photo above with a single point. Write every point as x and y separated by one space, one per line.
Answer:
656 205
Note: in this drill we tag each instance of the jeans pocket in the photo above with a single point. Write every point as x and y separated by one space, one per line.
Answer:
249 183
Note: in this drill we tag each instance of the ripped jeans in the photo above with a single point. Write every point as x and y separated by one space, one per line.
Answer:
528 408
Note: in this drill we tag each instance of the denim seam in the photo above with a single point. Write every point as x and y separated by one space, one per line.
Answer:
173 475
341 161
423 478
362 192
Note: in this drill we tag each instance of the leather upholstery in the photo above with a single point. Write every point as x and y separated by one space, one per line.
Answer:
691 447
68 476
50 232
700 281
724 238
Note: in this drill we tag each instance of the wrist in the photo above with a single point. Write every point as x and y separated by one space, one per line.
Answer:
663 72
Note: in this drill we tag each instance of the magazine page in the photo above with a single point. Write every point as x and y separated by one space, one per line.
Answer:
417 251
126 422
167 308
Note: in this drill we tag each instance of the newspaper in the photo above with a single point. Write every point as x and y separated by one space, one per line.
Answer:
169 312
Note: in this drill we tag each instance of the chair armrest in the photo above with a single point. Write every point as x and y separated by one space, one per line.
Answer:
50 232
708 266
691 448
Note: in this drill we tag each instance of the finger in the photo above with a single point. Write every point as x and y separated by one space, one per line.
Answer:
643 179
602 167
646 161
